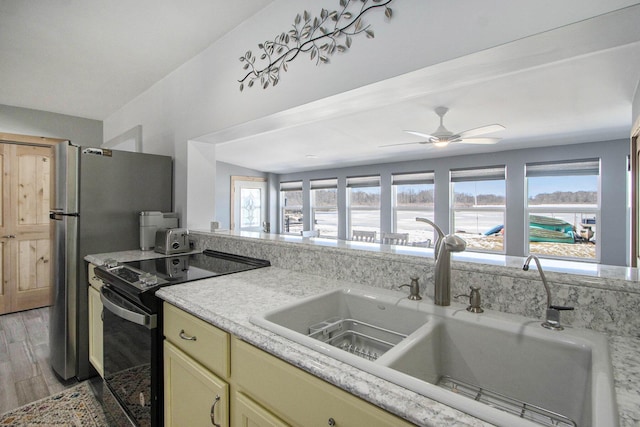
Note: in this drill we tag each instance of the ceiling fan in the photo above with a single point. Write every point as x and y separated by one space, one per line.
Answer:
442 136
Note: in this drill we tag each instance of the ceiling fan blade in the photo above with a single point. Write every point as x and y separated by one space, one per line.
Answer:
405 143
421 134
478 141
479 131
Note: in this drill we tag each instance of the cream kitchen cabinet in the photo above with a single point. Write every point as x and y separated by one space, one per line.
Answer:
95 322
205 343
196 369
298 397
193 396
247 413
207 371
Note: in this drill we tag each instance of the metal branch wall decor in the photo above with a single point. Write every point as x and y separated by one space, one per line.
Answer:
320 37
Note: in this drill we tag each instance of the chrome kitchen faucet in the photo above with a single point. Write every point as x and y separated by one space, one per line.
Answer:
552 320
442 275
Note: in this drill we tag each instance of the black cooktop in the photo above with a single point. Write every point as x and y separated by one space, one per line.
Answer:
146 276
189 267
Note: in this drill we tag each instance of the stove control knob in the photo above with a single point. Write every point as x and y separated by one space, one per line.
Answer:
148 279
110 262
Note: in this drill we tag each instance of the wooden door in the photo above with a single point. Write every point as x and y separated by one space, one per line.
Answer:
26 241
5 237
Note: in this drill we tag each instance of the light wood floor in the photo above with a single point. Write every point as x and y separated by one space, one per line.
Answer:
25 373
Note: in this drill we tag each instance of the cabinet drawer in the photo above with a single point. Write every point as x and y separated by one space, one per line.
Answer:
193 396
93 279
300 398
200 340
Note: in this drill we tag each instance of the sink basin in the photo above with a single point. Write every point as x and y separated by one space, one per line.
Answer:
504 369
347 324
561 376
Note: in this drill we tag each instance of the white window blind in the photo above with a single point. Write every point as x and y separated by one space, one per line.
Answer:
577 167
413 178
478 174
363 181
324 184
291 186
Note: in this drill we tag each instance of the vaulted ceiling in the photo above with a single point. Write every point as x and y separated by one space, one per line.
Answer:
88 59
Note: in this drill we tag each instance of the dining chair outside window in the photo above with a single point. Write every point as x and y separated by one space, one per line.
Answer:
423 244
395 238
364 236
310 233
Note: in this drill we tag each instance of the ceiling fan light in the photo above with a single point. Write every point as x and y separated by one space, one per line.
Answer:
441 144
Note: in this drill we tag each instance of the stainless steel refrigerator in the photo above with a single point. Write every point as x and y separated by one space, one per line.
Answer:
99 195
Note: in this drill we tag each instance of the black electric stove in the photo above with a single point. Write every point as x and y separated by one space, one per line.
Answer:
132 325
139 279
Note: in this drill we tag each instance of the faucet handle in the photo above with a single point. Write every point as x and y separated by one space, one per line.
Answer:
552 320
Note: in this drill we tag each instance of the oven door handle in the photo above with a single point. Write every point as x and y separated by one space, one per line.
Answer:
147 320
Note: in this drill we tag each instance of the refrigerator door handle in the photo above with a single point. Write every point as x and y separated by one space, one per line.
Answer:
59 216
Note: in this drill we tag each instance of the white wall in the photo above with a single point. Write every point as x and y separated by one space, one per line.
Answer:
202 95
201 178
24 121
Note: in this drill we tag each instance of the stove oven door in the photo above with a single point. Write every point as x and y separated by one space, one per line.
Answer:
129 339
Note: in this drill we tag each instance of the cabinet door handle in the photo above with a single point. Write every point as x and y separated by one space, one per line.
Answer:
331 422
213 411
187 337
9 236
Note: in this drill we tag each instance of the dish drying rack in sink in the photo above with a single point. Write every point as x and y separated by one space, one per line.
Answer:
359 338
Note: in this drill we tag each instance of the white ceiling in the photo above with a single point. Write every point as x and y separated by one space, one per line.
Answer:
89 58
570 85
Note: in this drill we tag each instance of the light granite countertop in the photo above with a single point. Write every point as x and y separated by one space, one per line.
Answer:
228 301
568 270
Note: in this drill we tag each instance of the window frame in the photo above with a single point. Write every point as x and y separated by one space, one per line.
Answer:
324 184
411 178
288 187
368 181
479 174
555 169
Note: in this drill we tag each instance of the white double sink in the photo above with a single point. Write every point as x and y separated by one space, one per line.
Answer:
504 369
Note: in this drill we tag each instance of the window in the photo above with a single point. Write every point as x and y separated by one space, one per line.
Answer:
364 204
291 207
478 207
324 207
563 208
413 197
